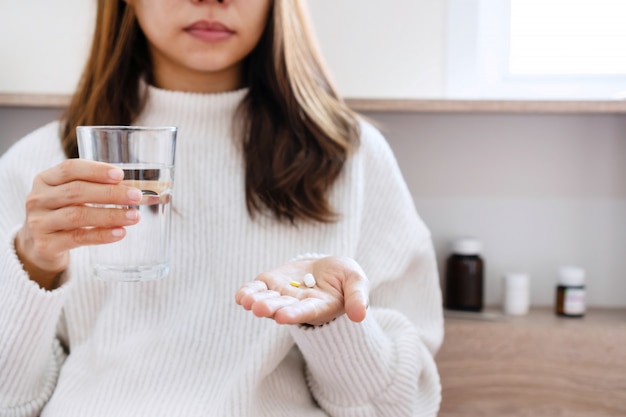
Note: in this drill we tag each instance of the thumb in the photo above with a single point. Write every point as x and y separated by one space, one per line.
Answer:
356 297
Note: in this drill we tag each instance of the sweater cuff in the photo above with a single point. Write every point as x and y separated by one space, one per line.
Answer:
347 362
28 319
23 297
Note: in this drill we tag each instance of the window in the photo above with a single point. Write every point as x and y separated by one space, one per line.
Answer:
537 49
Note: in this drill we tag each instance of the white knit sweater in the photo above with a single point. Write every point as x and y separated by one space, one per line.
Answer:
181 346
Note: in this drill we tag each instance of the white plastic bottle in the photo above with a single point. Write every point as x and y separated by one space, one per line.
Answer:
515 294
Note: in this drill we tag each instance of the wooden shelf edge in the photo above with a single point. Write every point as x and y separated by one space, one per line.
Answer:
34 100
395 105
487 106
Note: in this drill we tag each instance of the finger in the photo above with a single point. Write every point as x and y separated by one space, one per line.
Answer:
69 239
356 296
309 310
249 288
81 169
82 192
267 307
73 217
249 300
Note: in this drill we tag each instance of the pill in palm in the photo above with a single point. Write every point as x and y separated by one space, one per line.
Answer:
309 280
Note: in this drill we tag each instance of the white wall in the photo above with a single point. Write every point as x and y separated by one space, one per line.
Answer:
539 190
390 49
374 49
43 44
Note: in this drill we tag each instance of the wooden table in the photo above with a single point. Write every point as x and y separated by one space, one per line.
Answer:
535 365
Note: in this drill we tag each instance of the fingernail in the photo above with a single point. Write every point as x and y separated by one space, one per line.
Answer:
116 174
117 232
132 214
134 194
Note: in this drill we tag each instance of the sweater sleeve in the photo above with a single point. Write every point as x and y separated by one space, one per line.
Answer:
383 366
30 353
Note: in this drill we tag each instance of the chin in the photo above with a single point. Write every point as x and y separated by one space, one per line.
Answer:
214 66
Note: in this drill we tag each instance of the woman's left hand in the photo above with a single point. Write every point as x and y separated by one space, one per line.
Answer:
341 287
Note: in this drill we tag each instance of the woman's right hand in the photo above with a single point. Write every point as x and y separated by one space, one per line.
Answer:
58 218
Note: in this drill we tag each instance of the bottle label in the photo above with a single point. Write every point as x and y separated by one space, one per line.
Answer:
574 301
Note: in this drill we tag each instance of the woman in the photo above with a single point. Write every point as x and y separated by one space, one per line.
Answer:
275 174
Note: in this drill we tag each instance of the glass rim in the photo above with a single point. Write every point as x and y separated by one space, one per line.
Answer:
127 128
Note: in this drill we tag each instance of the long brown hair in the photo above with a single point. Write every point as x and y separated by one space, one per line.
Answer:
297 132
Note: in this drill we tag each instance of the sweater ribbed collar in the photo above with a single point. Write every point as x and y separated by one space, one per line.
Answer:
191 111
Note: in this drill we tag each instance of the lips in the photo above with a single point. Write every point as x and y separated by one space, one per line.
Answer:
211 31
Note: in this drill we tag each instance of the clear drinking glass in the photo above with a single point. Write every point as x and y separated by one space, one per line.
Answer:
146 154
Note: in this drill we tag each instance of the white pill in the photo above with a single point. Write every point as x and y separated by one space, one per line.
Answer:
309 280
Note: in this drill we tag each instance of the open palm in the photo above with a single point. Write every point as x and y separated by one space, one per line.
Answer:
341 287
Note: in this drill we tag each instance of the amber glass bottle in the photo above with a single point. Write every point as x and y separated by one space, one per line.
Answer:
464 276
570 292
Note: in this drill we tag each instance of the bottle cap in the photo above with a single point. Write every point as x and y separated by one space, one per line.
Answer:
467 246
516 280
571 276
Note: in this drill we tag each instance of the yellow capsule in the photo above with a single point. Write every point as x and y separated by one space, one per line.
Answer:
294 283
